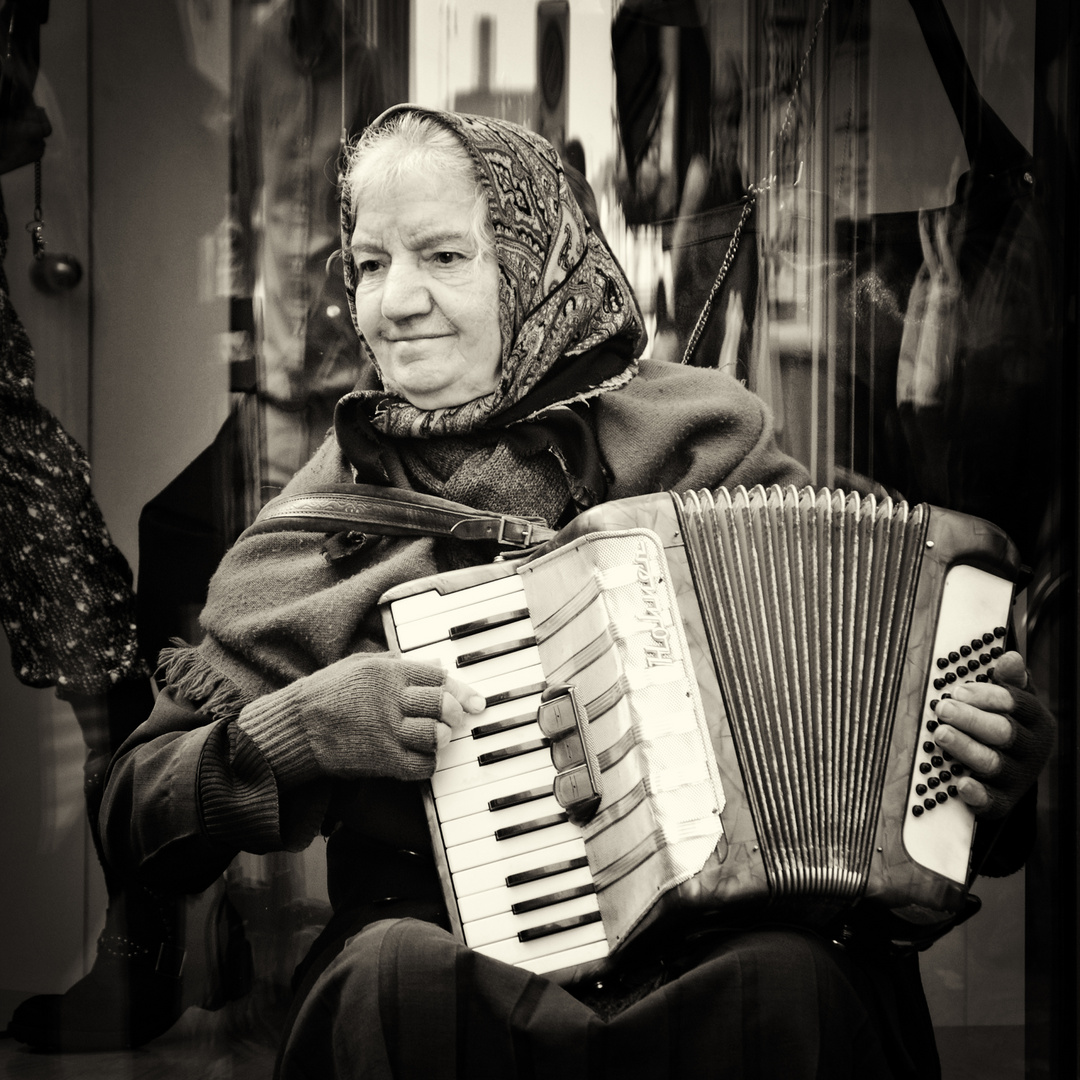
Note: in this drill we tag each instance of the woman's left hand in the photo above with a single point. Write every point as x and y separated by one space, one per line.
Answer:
1001 732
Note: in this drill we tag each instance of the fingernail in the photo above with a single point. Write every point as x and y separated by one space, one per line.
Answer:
477 703
943 736
961 692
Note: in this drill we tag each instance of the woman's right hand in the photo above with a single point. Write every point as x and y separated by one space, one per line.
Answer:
365 715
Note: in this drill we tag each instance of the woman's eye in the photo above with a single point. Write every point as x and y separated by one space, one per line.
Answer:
368 266
448 258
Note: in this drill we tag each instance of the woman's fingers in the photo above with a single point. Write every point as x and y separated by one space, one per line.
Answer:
973 793
975 722
459 701
1009 668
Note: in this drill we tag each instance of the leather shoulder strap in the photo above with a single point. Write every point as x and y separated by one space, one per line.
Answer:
394 512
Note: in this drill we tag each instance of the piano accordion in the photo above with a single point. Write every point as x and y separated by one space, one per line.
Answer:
750 679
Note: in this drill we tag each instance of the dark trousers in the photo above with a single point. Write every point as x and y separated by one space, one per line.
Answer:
404 999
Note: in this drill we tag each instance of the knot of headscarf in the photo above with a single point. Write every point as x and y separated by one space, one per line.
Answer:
561 290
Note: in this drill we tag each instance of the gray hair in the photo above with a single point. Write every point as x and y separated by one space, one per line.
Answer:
408 144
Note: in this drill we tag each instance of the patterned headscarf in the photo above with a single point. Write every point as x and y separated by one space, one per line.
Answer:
561 291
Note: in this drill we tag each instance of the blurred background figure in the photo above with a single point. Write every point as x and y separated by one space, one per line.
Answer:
309 80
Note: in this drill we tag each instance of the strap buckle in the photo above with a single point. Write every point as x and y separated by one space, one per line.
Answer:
517 532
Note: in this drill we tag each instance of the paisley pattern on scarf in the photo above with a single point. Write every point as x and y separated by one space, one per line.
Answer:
561 290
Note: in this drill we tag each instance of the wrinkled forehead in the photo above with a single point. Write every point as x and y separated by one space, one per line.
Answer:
518 173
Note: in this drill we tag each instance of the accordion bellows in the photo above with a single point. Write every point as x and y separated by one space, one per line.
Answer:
808 598
756 673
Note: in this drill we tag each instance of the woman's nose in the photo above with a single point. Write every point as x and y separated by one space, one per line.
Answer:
404 292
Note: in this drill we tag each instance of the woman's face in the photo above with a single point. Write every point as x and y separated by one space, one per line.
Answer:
427 299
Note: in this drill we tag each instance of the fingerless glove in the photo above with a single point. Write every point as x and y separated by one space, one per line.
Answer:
361 716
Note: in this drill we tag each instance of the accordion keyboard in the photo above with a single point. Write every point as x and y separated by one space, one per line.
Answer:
519 873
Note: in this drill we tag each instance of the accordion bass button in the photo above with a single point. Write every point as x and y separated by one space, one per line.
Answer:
917 810
920 789
929 803
925 767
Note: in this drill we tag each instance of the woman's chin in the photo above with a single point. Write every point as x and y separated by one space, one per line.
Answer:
438 397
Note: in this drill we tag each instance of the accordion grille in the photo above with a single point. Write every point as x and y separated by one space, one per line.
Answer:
807 599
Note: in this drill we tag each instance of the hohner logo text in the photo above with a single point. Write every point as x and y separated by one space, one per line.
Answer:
654 610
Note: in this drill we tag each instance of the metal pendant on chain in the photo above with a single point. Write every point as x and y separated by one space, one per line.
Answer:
50 272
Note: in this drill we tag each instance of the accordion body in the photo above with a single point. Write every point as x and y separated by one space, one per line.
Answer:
751 676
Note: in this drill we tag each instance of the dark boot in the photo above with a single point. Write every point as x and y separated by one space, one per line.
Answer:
135 990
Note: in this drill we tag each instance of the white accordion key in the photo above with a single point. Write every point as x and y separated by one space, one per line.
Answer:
530 866
522 788
429 616
537 813
502 897
548 950
556 908
483 655
511 738
489 850
473 774
508 925
592 950
514 712
492 747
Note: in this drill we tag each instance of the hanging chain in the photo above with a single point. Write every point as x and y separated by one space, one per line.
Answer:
36 228
725 266
752 193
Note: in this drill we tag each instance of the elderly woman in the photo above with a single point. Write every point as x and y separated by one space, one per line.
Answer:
503 339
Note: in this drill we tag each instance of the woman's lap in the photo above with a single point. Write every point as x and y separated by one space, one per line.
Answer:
405 999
